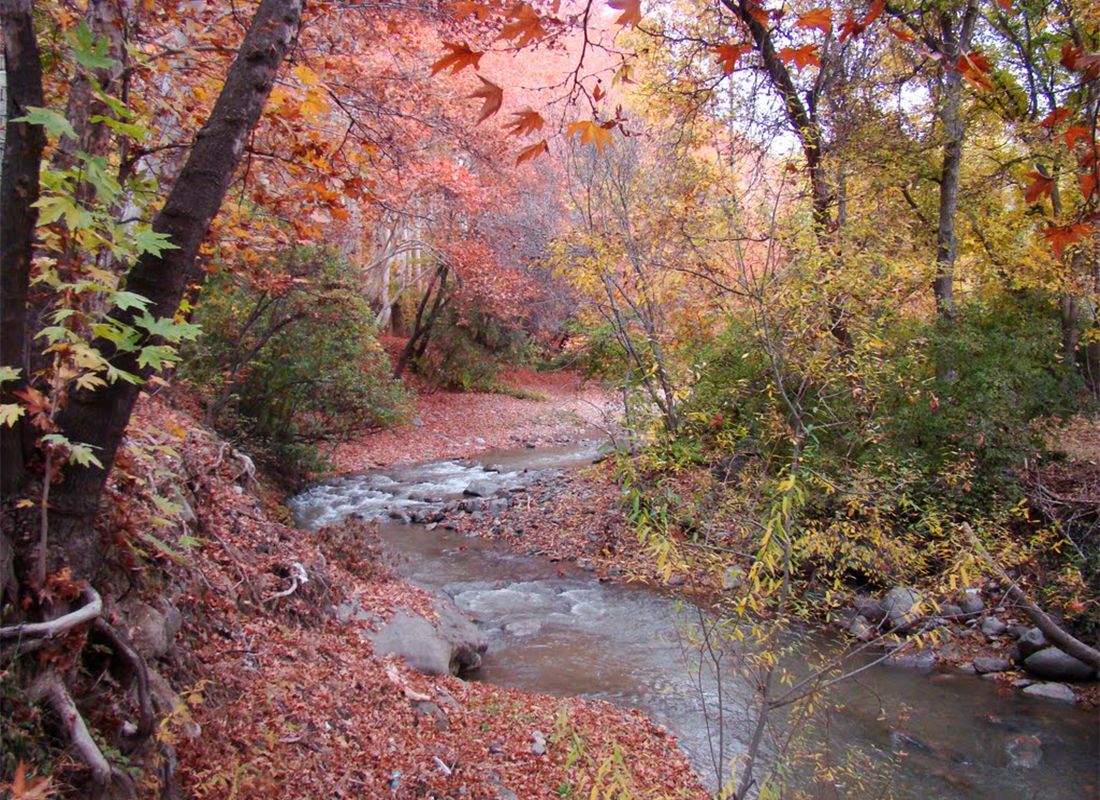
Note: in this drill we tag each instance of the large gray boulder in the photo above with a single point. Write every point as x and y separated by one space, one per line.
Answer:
1051 691
482 488
1031 641
1054 665
902 607
450 646
971 602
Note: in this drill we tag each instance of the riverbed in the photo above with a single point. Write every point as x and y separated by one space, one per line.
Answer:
556 629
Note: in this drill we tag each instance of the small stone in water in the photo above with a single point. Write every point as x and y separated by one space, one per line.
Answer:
538 743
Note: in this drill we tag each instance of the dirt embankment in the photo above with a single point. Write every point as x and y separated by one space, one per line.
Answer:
271 688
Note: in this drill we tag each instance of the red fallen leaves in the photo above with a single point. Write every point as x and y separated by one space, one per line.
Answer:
293 701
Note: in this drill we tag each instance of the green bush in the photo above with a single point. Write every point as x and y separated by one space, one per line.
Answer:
467 350
288 359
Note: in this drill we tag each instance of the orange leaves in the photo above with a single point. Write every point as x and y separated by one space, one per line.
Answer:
975 67
526 25
1059 237
729 54
800 56
1055 118
465 9
1075 134
819 18
853 27
591 132
533 151
493 96
525 122
632 11
460 57
1041 186
901 34
1075 59
1087 182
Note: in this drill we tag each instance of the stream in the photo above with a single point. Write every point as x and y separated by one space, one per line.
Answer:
557 630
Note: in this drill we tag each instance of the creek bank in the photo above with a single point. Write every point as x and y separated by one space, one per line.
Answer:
576 516
265 668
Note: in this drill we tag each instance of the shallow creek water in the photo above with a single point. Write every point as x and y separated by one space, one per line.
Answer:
557 630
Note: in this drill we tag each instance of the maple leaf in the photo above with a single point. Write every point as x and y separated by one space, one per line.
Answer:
493 96
35 789
758 13
460 57
527 25
1005 4
535 150
1075 134
853 27
632 12
465 9
800 56
1062 236
591 132
1055 118
525 122
1040 185
820 18
975 67
1088 184
729 54
901 33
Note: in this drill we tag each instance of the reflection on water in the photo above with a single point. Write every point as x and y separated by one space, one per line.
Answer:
559 631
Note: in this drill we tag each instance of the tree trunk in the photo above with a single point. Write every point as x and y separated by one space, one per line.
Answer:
18 217
955 42
99 418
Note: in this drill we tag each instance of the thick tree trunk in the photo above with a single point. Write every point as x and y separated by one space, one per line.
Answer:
18 218
99 418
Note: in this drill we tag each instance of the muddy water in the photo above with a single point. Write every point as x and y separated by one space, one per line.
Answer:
557 630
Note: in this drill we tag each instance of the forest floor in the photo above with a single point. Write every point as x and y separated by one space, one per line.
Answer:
271 689
533 409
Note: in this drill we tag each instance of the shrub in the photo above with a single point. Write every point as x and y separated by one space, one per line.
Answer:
288 358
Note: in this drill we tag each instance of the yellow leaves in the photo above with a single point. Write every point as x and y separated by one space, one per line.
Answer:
305 75
800 56
632 12
534 151
459 57
315 105
729 54
819 18
591 132
526 25
493 96
526 121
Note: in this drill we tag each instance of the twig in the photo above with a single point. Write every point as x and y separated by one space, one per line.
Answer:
297 578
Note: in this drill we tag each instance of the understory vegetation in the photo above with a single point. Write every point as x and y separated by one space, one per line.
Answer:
838 259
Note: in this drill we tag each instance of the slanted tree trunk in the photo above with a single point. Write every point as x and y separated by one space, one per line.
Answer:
99 418
18 217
